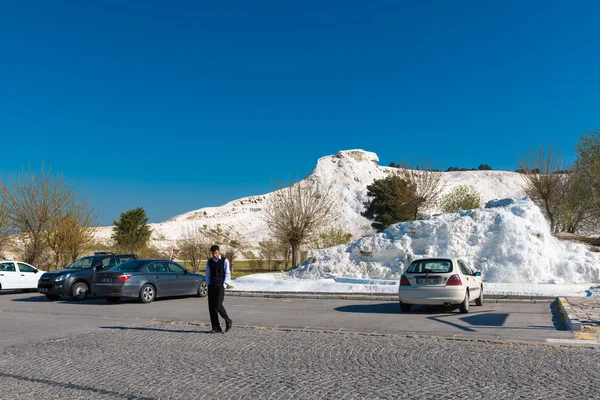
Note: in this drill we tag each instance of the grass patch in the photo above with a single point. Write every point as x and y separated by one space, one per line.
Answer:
240 268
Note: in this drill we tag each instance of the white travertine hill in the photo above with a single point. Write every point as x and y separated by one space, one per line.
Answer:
349 171
508 241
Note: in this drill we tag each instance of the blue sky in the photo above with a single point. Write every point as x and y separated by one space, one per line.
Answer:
174 106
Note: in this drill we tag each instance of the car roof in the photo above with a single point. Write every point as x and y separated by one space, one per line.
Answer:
436 258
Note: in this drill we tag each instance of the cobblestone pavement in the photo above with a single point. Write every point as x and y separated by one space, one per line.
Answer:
181 361
587 309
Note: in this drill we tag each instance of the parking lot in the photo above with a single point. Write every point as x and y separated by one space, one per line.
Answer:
37 319
284 348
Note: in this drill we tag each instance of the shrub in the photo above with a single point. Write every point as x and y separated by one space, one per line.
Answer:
460 198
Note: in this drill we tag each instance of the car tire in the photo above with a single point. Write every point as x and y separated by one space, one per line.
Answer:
464 306
479 300
52 297
112 299
79 291
202 290
147 294
405 307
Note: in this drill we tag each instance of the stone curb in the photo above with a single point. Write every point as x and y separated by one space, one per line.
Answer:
375 296
569 316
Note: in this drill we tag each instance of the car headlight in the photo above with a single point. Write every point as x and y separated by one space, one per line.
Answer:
61 277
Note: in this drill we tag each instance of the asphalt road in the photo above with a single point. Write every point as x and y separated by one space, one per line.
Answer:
285 349
36 319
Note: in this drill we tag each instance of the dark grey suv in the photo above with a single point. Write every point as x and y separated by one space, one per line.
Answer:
76 279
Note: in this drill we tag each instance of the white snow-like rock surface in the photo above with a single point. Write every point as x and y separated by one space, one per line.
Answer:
508 241
349 171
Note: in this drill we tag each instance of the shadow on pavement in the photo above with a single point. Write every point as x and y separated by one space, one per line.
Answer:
137 328
392 308
75 387
42 299
486 319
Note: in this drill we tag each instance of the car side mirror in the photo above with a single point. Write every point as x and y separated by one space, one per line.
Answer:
185 271
99 267
477 273
35 271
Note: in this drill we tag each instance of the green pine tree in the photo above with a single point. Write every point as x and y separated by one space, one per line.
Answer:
387 205
131 230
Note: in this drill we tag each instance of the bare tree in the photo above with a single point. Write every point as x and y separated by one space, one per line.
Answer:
296 212
424 186
268 250
71 234
331 236
576 209
35 203
231 241
587 165
5 229
194 246
544 182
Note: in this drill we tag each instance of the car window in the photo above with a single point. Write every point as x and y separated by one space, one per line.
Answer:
26 268
158 267
85 262
430 266
107 262
469 267
121 259
464 269
126 267
174 267
8 267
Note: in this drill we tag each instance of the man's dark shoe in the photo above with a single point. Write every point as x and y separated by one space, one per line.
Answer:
228 325
216 331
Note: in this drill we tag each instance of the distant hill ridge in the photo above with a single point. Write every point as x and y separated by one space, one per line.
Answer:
350 172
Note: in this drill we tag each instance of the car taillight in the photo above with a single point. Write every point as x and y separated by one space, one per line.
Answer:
123 278
404 281
454 280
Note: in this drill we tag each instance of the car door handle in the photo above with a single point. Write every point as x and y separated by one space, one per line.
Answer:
22 274
1 274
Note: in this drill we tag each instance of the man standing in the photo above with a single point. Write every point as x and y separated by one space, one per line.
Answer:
218 276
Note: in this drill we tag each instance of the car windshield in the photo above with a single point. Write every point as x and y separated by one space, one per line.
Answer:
430 266
128 266
82 263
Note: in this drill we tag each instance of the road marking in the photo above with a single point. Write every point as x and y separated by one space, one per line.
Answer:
573 341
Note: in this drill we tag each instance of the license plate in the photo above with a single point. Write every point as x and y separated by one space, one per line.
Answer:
106 280
43 290
427 281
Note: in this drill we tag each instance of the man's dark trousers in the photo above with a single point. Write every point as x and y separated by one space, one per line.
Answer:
216 292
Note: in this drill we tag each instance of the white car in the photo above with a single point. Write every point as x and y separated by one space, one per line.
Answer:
18 275
440 281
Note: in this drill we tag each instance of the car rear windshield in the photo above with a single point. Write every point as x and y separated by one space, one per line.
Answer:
430 266
128 266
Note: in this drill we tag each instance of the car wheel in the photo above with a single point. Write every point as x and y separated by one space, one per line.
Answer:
79 290
202 290
52 297
479 300
147 294
464 306
112 299
405 307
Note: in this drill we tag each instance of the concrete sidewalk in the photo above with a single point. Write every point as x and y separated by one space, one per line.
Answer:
584 315
489 298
